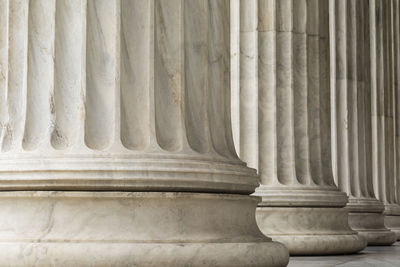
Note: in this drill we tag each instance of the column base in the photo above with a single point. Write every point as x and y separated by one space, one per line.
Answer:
133 229
310 230
367 218
393 223
371 226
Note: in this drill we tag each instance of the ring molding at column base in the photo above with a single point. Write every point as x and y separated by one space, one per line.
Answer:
133 229
366 217
310 230
121 172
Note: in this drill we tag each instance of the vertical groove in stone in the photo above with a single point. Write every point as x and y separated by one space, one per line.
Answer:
314 90
366 65
381 108
40 80
390 131
360 99
81 135
396 35
17 68
324 130
236 10
301 19
67 104
388 103
267 105
249 83
394 46
219 79
284 92
225 13
341 95
136 46
4 9
364 100
333 84
373 86
377 98
196 74
352 92
168 73
100 74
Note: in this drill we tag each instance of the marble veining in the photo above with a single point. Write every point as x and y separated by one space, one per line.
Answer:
293 64
110 52
131 80
116 144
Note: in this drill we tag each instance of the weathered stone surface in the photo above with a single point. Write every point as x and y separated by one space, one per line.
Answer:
115 125
383 58
294 143
351 125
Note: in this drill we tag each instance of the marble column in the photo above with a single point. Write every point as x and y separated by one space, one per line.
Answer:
115 141
301 206
351 104
382 86
393 220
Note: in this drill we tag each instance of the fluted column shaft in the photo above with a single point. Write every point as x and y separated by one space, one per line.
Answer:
294 65
385 104
294 130
88 81
351 88
131 98
382 105
352 130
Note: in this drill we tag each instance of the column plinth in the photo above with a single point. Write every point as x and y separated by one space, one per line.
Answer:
125 228
309 221
116 143
392 219
352 126
301 206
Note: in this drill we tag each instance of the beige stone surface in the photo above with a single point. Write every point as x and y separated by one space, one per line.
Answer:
116 144
384 62
294 143
133 229
351 124
107 89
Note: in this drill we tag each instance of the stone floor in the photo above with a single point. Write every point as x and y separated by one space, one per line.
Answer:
370 257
